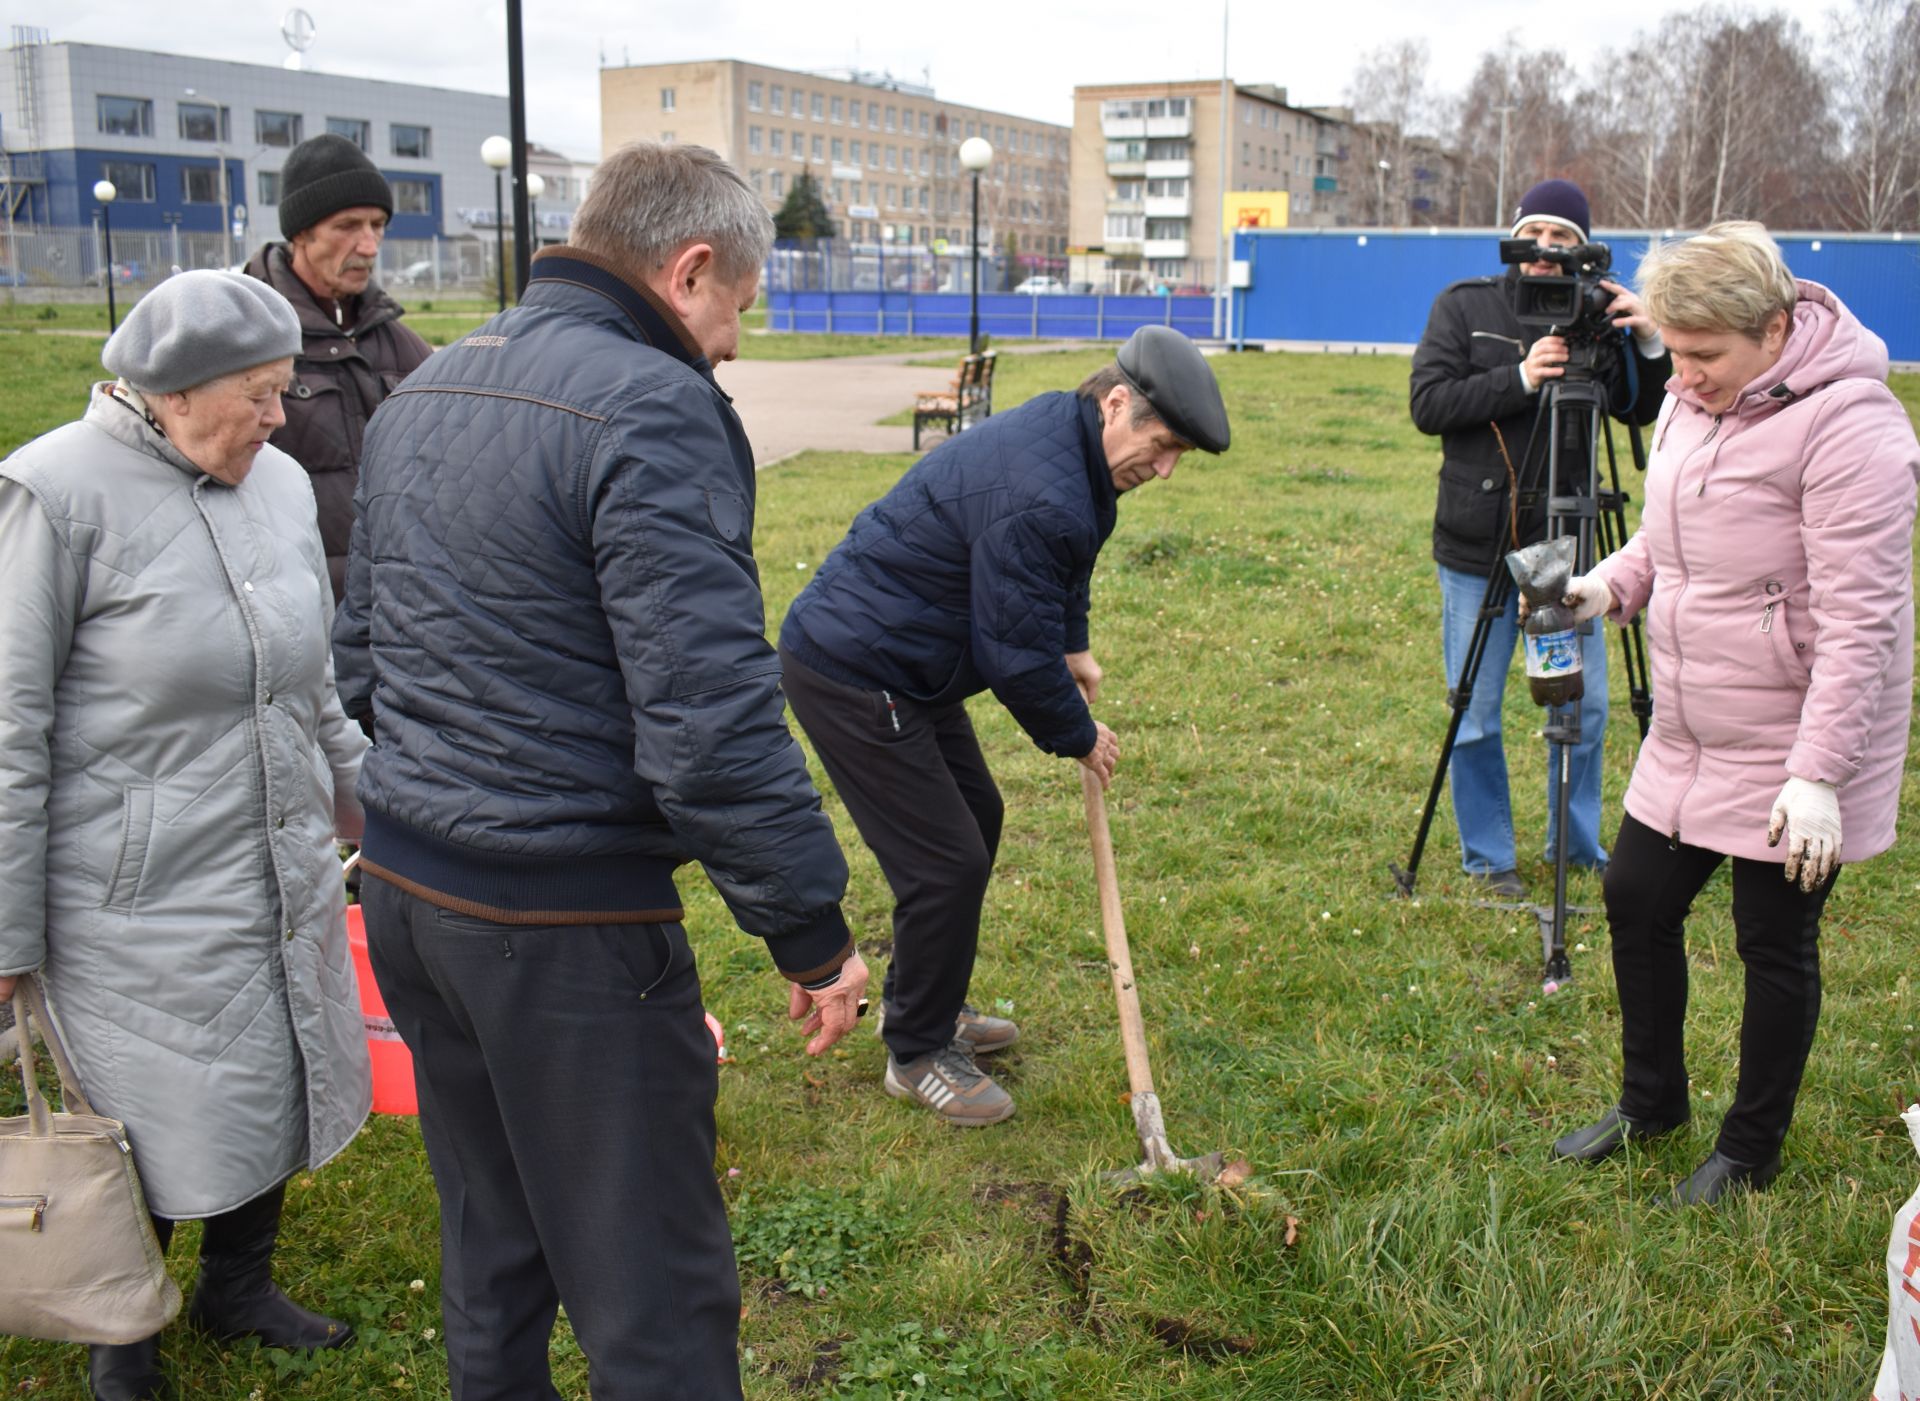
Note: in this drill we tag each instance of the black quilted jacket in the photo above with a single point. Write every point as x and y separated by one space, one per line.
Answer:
972 573
554 614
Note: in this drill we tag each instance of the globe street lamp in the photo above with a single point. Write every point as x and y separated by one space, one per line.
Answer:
104 192
497 152
975 154
536 187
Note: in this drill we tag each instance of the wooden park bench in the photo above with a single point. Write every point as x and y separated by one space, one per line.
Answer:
967 397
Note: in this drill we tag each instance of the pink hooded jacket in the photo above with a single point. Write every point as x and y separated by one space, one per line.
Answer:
1775 559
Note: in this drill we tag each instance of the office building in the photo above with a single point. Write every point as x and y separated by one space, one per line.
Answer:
194 148
885 153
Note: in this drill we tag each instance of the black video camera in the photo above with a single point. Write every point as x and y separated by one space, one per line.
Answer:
1573 303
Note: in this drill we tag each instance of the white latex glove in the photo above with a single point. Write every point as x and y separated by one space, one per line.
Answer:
1808 813
1588 597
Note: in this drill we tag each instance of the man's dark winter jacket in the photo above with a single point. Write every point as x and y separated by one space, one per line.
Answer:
972 573
554 614
342 374
1466 381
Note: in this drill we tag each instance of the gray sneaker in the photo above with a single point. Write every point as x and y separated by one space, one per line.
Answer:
951 1085
983 1034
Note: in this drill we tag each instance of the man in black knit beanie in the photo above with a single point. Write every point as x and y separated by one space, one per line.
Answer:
334 207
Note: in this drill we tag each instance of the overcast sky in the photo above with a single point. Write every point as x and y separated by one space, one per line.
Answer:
1023 59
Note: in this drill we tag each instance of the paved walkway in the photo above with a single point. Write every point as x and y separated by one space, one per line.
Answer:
790 406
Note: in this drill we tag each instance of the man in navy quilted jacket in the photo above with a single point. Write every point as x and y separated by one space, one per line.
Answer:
972 575
554 613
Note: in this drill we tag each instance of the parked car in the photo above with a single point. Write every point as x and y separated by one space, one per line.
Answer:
1040 285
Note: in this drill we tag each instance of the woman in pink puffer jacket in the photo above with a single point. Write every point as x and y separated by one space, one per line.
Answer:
1775 561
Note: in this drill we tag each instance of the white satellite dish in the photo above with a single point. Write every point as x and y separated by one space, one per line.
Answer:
297 28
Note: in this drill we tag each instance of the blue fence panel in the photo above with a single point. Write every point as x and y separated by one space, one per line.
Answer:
1003 316
1340 285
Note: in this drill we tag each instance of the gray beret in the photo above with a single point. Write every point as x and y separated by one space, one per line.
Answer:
198 326
1175 378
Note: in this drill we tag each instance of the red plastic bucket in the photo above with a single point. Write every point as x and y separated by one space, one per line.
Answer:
393 1091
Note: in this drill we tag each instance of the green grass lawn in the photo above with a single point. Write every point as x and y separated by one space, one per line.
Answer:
1389 1068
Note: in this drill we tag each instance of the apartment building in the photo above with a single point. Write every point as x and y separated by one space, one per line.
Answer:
885 153
1147 195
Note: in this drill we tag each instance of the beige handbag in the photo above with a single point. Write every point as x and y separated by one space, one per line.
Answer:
81 1261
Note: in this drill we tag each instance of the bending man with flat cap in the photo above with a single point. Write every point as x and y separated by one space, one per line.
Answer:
972 575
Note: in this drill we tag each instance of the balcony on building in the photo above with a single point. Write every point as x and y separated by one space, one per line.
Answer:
1163 248
1134 119
1168 207
1326 184
1165 169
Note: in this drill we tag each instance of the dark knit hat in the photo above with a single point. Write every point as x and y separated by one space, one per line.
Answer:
324 175
1554 202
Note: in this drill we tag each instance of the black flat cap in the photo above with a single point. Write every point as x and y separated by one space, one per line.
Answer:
1175 378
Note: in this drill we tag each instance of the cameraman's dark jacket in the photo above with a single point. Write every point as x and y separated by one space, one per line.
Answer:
973 573
1466 382
340 377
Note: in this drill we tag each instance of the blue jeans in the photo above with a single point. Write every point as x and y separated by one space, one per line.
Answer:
1478 771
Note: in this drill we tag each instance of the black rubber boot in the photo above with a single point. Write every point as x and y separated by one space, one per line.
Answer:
125 1371
1609 1134
236 1296
1718 1176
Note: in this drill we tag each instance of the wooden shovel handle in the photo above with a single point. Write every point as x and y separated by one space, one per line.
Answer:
1133 1030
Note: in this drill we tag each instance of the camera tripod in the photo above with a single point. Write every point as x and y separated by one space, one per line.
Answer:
1572 413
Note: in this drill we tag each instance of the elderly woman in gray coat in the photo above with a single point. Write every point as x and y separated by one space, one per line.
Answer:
174 771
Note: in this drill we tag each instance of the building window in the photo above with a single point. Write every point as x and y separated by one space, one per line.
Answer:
853 111
412 196
415 142
839 109
358 130
132 180
799 145
839 150
837 193
893 116
753 97
893 158
202 121
778 183
923 199
923 163
1125 225
819 148
269 187
759 179
753 140
125 116
666 99
778 98
873 116
200 184
666 138
999 136
1166 228
873 155
778 140
923 124
854 154
277 128
819 107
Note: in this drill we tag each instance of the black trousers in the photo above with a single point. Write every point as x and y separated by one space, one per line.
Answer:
916 785
1650 885
567 1081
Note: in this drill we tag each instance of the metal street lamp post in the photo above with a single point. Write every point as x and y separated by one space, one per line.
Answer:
220 135
104 191
975 154
1380 192
536 187
497 152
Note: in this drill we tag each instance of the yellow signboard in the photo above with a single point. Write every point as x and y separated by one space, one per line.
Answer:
1255 209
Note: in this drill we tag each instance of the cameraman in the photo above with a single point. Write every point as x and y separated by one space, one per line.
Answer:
1477 378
